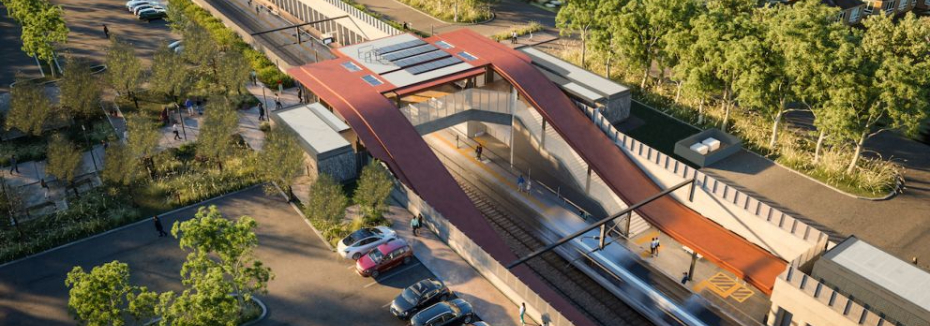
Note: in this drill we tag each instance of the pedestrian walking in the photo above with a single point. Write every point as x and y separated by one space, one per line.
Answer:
406 27
652 247
14 166
189 104
249 2
415 225
44 187
685 278
106 31
278 105
159 227
513 37
104 143
254 75
257 12
177 136
520 183
529 184
300 94
522 313
164 116
656 254
261 111
478 151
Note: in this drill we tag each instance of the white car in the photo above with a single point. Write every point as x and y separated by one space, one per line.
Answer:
176 46
135 3
363 240
139 9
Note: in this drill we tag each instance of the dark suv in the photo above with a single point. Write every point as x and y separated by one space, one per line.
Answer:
418 296
449 313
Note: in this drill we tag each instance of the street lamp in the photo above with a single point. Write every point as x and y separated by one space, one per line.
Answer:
93 157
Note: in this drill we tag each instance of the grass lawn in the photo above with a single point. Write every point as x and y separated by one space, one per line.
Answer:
660 131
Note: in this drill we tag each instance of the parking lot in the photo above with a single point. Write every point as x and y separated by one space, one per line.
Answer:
85 19
312 285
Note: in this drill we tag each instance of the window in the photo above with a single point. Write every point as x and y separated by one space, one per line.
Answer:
350 66
854 15
467 56
371 80
903 6
444 45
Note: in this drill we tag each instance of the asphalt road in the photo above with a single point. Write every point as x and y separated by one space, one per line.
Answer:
312 285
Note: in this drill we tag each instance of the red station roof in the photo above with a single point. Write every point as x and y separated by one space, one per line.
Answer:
390 137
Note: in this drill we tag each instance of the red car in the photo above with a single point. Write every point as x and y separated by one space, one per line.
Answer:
384 257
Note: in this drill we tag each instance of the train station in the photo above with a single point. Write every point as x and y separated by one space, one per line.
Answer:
506 150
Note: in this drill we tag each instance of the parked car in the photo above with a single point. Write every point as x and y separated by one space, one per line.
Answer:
363 240
420 295
133 6
176 46
384 257
133 3
448 313
144 7
152 14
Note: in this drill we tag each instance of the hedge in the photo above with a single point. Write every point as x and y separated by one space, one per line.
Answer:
268 73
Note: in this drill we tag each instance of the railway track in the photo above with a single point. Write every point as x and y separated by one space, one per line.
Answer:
588 296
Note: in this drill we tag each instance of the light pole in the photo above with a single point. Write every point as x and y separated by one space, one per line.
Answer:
93 157
181 118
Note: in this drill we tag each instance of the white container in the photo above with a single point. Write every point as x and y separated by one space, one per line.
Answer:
700 148
712 143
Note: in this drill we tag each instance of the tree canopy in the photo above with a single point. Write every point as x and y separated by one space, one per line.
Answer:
374 187
124 69
64 158
80 90
105 297
327 200
30 108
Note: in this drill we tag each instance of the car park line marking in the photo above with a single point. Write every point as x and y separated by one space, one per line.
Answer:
399 271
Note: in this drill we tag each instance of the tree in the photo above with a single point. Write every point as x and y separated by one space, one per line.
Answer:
643 27
105 297
232 71
281 147
30 108
177 20
220 123
169 74
719 34
200 49
205 301
806 36
80 90
124 69
222 255
63 159
885 85
122 168
581 16
142 140
42 28
327 201
374 187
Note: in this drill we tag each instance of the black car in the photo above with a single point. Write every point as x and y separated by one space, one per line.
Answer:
418 296
448 313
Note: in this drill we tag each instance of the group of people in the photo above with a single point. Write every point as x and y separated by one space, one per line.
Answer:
415 224
654 247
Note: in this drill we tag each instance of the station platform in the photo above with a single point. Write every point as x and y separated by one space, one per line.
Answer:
740 302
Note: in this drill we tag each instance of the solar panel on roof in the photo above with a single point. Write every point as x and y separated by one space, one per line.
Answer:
429 56
397 55
399 46
433 65
444 44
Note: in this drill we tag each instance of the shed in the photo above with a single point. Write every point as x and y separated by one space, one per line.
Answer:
320 133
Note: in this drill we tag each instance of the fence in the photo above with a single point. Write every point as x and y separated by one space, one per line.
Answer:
716 188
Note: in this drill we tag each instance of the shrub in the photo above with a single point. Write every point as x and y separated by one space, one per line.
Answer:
468 10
